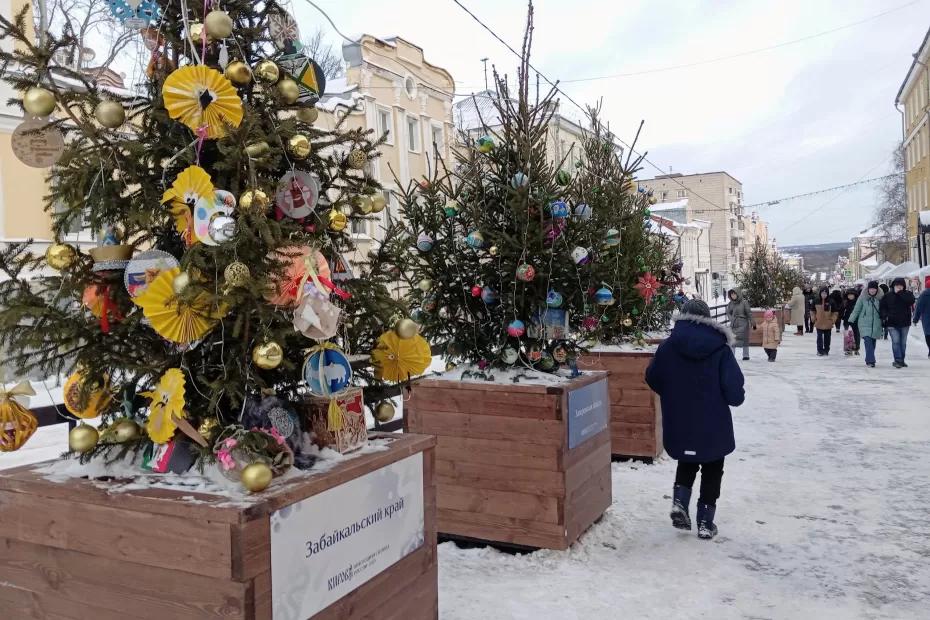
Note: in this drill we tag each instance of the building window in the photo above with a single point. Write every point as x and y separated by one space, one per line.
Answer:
438 142
664 196
682 193
386 124
410 86
359 226
729 190
413 134
76 226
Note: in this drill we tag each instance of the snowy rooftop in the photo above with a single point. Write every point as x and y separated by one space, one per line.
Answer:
661 229
901 270
673 205
871 233
339 93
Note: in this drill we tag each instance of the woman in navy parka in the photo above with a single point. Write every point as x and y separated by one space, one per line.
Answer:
697 377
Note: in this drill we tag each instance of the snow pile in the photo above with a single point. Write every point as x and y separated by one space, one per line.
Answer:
507 376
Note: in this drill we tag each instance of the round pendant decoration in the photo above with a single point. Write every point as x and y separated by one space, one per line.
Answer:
475 239
603 296
283 30
612 239
37 143
144 268
526 272
554 299
297 195
424 242
583 211
327 371
489 296
558 209
516 328
580 255
207 211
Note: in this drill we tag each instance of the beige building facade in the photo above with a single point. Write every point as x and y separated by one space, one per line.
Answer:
390 88
756 230
715 197
914 96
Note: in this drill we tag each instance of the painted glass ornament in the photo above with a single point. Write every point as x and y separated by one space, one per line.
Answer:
475 239
564 177
580 255
526 273
519 180
516 328
589 323
135 13
489 296
553 229
485 144
509 355
451 209
559 354
554 299
424 242
327 370
583 211
612 238
297 194
533 353
476 291
558 209
546 362
604 296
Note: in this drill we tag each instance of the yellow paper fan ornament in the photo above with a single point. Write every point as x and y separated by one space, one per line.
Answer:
398 359
199 96
174 319
191 186
167 404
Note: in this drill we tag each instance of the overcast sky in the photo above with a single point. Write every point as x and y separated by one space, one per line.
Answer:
799 118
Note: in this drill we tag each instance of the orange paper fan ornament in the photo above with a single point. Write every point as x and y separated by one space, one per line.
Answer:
199 96
176 320
298 261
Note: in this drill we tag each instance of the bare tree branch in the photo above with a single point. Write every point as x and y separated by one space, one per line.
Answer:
316 48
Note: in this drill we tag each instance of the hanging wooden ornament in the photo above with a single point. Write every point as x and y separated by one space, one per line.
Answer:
37 144
144 268
327 370
297 194
282 27
203 99
98 397
17 424
207 213
308 76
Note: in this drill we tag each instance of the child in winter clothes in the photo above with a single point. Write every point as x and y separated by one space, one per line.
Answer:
697 377
771 335
824 316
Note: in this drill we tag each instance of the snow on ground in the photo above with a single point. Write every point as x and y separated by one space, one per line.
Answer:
823 513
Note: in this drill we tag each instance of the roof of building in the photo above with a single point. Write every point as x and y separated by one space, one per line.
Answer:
670 205
678 175
869 262
339 93
914 63
476 111
660 228
870 233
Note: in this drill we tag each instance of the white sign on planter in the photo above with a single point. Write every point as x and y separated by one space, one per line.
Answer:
327 545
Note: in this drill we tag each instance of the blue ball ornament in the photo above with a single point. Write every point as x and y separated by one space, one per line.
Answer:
489 296
558 209
604 296
485 144
424 242
516 328
519 180
327 371
554 299
475 239
583 211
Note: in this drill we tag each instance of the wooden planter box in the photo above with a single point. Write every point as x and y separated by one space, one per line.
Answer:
635 412
755 335
505 471
76 550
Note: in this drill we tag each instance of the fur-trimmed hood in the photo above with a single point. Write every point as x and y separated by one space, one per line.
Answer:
698 337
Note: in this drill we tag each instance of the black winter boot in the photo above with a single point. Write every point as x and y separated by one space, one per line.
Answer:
705 519
680 502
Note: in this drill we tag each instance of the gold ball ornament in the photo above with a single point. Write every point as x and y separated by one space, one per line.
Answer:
288 91
337 221
238 73
236 274
268 355
254 200
378 202
653 200
219 24
406 328
196 33
628 322
450 366
256 477
493 250
110 114
60 256
121 431
39 101
357 159
180 282
425 284
257 149
299 146
268 72
384 412
308 115
83 438
364 205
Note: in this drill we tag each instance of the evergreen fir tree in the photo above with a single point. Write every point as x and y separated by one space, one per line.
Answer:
115 175
766 280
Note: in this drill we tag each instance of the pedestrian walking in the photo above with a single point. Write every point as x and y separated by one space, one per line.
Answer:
824 316
798 307
885 289
697 378
852 296
867 316
771 335
896 308
922 312
809 308
836 297
739 315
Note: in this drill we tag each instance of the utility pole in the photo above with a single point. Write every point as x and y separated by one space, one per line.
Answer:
484 61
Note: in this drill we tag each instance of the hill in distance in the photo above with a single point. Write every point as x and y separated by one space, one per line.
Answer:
819 257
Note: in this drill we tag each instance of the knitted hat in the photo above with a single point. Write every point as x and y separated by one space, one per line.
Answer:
696 307
769 314
873 284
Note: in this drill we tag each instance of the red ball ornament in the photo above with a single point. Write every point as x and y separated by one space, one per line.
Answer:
476 291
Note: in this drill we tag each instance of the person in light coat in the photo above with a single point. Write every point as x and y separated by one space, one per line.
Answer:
922 312
771 335
868 316
798 306
739 315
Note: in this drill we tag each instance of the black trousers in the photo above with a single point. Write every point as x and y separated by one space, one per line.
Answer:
808 322
711 475
823 340
772 353
927 338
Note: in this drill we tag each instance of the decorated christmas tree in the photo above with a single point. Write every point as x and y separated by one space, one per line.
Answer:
767 280
511 259
225 297
634 266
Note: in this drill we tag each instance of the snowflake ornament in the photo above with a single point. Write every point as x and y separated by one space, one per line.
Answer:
647 286
135 13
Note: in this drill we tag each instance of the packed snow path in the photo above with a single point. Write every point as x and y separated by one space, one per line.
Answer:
824 513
